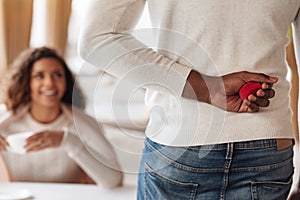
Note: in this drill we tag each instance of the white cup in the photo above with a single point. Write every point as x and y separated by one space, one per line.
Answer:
17 142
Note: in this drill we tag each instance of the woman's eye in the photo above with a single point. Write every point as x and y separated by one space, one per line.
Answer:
57 75
38 75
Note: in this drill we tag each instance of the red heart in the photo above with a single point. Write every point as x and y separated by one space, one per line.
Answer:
249 88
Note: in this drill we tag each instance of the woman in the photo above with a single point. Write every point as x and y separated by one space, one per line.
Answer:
66 144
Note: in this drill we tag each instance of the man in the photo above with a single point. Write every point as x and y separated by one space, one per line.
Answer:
203 140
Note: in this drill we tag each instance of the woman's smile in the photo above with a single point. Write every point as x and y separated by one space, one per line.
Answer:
48 83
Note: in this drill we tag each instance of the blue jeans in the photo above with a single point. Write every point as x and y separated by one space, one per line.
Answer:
242 170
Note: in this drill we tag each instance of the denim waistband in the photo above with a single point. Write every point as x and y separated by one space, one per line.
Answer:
254 144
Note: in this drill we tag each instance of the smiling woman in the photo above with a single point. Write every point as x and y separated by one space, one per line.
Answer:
32 65
42 98
47 87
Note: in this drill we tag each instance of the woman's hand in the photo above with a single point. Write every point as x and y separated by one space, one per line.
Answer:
43 140
3 143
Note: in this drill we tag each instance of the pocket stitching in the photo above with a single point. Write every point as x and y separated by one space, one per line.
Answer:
179 165
254 185
151 171
193 186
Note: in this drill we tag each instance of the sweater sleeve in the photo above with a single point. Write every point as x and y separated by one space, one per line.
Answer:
107 40
89 148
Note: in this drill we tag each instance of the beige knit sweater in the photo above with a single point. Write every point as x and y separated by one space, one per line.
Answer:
210 36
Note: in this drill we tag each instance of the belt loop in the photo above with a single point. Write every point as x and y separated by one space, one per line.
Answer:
229 152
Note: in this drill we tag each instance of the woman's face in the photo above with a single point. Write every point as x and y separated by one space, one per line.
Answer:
47 83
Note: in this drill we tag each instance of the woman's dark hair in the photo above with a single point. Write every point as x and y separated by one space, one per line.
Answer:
18 79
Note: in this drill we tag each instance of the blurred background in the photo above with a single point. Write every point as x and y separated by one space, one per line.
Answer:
56 24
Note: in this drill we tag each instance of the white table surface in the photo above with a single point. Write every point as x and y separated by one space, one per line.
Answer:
53 191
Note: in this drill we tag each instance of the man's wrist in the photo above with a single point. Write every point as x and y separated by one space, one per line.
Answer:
196 88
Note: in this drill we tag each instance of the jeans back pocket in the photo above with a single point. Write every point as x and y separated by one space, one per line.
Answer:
158 186
270 190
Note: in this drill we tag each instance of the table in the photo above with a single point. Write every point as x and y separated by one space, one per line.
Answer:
57 191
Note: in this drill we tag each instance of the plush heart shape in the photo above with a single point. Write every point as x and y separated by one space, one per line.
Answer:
249 88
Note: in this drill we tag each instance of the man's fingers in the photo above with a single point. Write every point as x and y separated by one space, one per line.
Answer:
265 86
259 77
266 94
262 102
244 106
262 98
248 106
253 108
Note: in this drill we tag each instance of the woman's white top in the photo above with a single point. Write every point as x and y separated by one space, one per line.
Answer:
83 147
